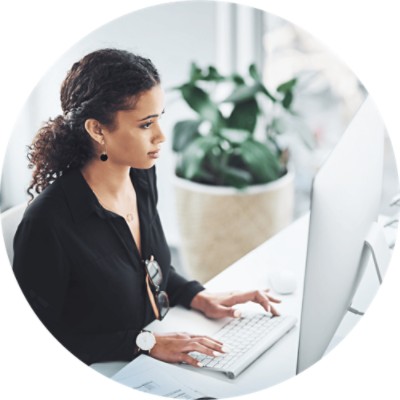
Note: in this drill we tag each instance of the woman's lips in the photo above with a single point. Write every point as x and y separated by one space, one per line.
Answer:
154 154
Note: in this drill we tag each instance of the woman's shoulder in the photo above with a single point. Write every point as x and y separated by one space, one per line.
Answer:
49 205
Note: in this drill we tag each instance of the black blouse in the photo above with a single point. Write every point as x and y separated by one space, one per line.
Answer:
81 272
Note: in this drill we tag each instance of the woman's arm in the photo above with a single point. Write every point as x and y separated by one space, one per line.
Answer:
40 268
180 290
43 273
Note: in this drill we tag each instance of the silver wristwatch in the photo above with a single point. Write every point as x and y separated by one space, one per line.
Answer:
145 341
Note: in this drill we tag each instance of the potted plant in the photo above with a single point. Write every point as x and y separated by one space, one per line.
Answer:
234 189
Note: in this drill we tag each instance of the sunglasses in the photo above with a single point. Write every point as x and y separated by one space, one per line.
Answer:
159 299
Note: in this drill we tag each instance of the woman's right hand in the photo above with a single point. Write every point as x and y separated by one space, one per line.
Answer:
174 347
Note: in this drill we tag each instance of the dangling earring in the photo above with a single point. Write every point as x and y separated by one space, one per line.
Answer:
103 155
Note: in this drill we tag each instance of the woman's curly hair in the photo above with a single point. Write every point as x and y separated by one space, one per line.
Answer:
100 84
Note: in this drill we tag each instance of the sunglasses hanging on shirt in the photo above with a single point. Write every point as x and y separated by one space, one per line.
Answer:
158 298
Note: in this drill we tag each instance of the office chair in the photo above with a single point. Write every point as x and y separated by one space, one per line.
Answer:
10 220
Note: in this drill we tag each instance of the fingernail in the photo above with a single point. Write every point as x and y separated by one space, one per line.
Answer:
200 365
225 349
217 354
237 314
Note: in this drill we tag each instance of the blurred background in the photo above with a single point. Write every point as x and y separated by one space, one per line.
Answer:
229 37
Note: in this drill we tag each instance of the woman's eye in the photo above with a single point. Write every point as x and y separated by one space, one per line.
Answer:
147 125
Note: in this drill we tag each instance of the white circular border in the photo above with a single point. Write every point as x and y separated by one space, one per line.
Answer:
36 33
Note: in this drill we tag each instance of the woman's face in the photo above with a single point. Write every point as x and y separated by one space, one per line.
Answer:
136 137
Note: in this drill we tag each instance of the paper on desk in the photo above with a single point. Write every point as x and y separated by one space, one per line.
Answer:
155 377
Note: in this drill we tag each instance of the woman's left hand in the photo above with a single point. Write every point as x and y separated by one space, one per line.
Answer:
220 305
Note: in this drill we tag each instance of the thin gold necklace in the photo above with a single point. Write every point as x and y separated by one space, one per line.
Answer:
128 217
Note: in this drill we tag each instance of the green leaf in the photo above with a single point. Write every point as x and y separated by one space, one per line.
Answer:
235 177
237 79
193 156
253 71
234 136
286 89
200 102
223 172
287 86
268 93
213 75
243 93
261 161
287 100
195 72
244 115
184 132
277 125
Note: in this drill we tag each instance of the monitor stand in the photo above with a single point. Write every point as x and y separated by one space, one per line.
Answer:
376 250
375 245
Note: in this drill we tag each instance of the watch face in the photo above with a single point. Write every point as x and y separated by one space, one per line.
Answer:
145 341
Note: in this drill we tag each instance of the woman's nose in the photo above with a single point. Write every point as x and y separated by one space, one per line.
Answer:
159 136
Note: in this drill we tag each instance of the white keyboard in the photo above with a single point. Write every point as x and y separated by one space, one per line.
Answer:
247 338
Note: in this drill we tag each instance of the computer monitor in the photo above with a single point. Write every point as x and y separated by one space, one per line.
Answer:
345 202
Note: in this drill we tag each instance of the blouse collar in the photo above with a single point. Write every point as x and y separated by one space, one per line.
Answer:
81 199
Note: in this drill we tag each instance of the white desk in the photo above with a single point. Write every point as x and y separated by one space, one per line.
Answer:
285 250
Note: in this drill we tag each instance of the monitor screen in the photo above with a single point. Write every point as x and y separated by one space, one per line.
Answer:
345 201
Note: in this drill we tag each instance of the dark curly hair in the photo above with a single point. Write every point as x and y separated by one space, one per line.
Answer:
100 84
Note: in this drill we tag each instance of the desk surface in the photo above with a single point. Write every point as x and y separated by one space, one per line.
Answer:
285 250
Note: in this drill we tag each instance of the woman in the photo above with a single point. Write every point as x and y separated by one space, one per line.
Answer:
90 253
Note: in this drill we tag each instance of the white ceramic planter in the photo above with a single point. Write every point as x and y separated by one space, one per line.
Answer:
219 225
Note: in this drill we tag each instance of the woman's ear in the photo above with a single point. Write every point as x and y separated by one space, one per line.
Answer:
94 129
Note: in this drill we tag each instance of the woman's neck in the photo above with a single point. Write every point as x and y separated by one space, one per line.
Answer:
107 179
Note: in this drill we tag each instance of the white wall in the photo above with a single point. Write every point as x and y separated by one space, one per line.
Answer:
172 36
